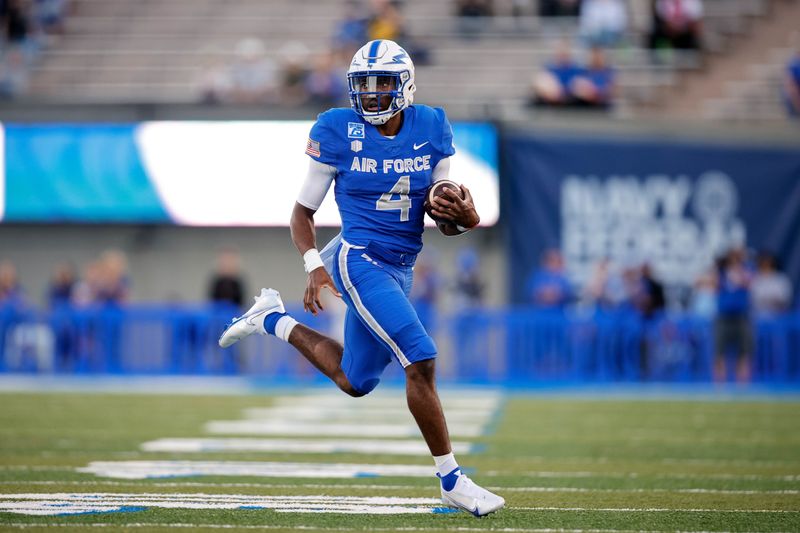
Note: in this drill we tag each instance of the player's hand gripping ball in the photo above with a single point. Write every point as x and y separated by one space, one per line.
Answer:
437 189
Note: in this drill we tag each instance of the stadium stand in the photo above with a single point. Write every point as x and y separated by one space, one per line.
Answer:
152 51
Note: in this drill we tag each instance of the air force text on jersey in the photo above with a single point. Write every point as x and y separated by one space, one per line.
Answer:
408 164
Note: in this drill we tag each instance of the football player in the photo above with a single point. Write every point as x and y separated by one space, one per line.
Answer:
382 155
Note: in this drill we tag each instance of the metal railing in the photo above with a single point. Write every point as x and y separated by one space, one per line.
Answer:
507 346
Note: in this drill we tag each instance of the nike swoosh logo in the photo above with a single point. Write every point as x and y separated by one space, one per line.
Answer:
418 146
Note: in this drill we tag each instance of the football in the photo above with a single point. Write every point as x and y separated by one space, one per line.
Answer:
437 189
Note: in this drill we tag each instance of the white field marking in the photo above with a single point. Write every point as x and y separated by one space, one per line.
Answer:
729 462
392 447
71 503
644 491
653 510
323 486
747 477
477 400
253 427
147 385
700 462
372 414
160 469
193 484
36 468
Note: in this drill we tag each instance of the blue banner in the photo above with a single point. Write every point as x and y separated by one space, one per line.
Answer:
675 205
77 173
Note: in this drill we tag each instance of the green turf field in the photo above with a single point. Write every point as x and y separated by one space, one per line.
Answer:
592 464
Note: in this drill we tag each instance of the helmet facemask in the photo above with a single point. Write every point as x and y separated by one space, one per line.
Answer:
379 95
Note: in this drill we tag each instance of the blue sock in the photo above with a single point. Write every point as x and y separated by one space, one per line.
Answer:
270 320
449 481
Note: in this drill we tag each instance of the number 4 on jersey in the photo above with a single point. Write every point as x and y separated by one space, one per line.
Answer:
403 202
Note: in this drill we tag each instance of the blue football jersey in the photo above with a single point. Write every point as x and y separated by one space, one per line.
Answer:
380 183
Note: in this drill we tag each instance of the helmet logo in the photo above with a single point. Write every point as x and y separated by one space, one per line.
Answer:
398 59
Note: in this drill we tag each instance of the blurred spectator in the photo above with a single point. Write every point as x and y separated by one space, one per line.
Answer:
474 8
548 287
595 86
325 83
87 288
469 285
14 74
632 288
425 291
227 284
594 290
559 8
386 22
294 74
519 8
49 15
471 14
651 301
771 289
650 304
677 24
732 327
605 289
15 17
114 283
11 293
251 78
791 86
603 22
212 79
60 299
703 301
552 85
62 285
350 33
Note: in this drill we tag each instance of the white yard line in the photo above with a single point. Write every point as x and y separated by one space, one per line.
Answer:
449 400
383 446
287 427
160 469
330 486
625 475
37 468
56 504
367 413
603 460
643 491
652 510
193 484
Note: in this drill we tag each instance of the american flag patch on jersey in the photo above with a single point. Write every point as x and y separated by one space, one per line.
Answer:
312 148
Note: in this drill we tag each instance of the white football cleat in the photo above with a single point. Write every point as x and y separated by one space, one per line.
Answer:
269 301
470 497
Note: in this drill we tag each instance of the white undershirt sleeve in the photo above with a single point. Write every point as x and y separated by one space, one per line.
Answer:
318 181
442 170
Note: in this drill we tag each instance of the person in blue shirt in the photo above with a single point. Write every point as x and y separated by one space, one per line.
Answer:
553 85
548 287
732 328
381 154
791 86
595 86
